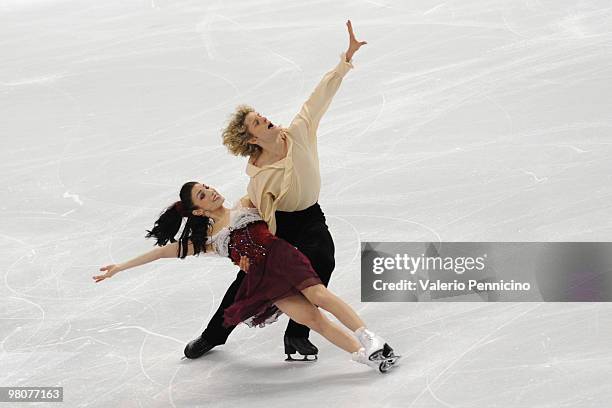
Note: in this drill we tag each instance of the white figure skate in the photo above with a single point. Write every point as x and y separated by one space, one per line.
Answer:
382 365
376 349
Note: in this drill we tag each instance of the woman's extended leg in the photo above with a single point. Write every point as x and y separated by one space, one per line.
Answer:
321 296
302 311
375 349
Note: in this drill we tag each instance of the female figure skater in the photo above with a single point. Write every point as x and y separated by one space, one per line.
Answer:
279 278
284 185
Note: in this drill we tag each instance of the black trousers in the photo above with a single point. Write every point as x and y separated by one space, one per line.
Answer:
305 230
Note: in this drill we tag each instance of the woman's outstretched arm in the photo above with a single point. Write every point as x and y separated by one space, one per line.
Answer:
304 126
167 251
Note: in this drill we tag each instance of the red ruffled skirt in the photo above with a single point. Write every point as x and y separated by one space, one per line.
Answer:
281 272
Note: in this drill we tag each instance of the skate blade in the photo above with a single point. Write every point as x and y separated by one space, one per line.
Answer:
388 364
310 358
384 353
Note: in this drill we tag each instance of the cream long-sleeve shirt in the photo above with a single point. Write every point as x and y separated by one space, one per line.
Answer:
294 183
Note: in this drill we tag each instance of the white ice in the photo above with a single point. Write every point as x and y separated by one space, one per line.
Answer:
462 121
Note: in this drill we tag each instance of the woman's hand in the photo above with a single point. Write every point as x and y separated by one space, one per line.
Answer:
354 45
110 271
244 263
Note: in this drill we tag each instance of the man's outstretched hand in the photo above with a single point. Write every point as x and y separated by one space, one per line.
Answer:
354 45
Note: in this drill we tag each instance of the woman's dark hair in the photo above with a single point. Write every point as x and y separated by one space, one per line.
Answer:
169 222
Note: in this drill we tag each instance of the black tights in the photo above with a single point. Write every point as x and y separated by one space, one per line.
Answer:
305 230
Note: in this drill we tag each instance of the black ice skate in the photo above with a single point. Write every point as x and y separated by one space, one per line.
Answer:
302 346
197 348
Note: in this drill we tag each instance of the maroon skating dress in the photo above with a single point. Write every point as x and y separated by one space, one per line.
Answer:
276 268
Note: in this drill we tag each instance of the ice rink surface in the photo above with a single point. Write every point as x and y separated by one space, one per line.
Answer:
461 121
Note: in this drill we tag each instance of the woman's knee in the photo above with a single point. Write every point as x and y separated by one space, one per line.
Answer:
318 295
302 311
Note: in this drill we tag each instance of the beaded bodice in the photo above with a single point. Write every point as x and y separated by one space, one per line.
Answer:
246 235
251 241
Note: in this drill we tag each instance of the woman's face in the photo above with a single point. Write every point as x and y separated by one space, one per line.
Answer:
205 198
260 127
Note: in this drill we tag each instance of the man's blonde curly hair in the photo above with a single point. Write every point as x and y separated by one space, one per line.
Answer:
236 136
